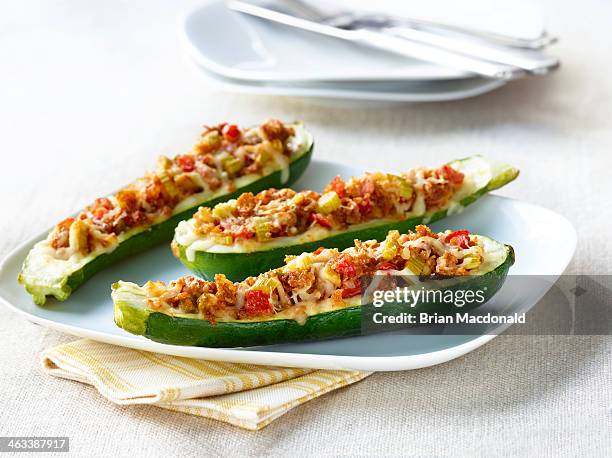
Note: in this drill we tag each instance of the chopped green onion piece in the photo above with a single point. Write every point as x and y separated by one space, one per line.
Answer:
223 155
390 247
224 240
262 230
405 188
168 183
212 138
302 261
329 202
471 262
224 209
417 266
392 236
231 165
331 275
267 285
389 250
263 156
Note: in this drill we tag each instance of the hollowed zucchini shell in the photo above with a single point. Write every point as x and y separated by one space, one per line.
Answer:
241 264
132 315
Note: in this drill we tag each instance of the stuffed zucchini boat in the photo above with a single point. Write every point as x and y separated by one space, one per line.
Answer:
253 233
225 162
313 296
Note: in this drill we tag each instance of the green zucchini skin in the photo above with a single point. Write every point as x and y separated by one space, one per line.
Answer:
175 330
200 333
164 231
238 266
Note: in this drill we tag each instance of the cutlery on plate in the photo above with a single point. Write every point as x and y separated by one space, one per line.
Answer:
473 55
529 60
386 42
346 19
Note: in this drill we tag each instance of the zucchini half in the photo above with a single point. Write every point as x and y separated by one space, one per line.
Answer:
42 275
237 262
134 316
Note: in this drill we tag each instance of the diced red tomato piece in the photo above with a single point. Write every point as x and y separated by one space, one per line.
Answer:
344 266
461 236
99 212
350 292
338 186
365 206
388 265
244 233
319 250
257 303
321 220
65 224
452 175
103 202
231 132
186 162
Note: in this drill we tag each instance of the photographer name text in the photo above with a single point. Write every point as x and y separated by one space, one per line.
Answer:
457 318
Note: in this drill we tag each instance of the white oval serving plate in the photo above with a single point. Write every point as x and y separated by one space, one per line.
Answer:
89 311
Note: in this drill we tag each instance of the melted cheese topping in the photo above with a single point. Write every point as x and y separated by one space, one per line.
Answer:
492 253
477 171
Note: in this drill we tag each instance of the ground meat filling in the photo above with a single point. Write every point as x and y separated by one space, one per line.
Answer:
283 212
223 152
323 274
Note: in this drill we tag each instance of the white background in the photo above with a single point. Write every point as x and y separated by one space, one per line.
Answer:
91 92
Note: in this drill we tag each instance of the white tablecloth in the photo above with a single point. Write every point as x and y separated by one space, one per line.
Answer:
91 92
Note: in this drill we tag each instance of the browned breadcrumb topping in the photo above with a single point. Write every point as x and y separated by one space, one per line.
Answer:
284 212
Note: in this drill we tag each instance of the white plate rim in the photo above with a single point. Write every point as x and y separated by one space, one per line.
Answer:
344 94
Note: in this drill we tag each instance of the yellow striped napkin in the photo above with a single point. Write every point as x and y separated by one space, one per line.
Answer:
244 395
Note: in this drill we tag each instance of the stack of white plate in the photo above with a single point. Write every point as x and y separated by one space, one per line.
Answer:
242 54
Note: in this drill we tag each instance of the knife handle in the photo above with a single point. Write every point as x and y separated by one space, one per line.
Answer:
532 61
435 54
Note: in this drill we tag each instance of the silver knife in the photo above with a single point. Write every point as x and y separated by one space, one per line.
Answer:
387 42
